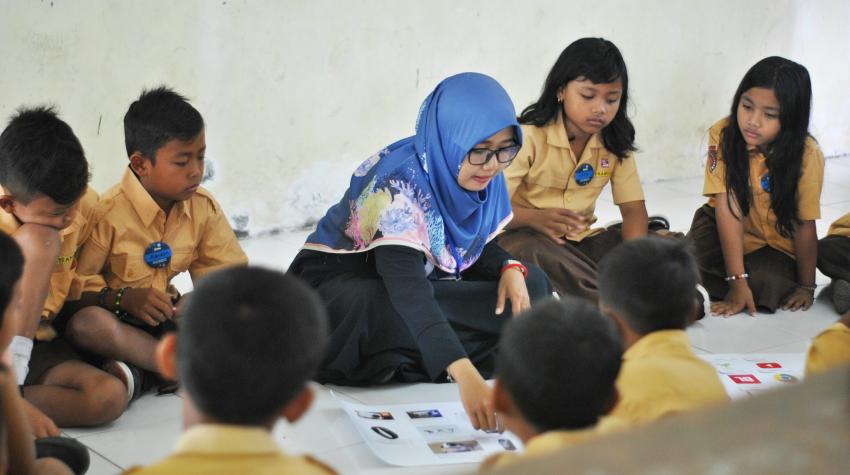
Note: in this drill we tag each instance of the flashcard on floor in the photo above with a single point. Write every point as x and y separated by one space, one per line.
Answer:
425 434
748 375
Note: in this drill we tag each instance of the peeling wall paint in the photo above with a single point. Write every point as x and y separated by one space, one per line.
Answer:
295 94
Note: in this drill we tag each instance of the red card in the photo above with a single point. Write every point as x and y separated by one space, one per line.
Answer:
744 378
769 365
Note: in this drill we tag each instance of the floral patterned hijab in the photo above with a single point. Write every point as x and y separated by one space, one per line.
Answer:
408 194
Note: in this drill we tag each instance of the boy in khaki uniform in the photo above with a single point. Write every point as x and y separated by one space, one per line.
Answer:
557 342
249 342
156 223
834 262
45 206
647 286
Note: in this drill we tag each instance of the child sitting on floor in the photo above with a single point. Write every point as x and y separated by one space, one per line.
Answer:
555 377
249 342
647 287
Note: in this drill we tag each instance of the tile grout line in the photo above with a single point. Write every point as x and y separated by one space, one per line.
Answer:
105 458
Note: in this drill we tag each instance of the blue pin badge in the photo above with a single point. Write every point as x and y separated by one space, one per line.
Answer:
584 174
158 254
765 182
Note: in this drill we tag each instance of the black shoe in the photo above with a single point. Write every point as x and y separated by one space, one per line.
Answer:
658 223
701 302
841 296
653 223
72 453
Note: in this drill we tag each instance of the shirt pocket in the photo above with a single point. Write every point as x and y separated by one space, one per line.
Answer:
599 180
539 177
181 258
129 269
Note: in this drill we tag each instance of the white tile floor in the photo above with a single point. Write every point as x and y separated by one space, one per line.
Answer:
150 427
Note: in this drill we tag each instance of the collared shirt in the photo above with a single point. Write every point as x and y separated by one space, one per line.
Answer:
841 226
128 221
661 375
62 278
227 449
554 441
543 174
829 350
760 223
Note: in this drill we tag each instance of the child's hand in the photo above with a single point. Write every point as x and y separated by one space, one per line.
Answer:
799 299
149 305
555 223
40 424
512 286
475 395
740 297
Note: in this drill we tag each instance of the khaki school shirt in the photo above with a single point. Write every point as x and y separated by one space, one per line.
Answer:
760 223
62 278
829 350
543 174
661 376
841 227
227 449
128 220
554 441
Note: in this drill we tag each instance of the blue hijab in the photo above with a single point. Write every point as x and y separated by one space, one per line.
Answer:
408 194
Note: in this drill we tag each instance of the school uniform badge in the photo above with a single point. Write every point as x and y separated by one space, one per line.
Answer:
712 157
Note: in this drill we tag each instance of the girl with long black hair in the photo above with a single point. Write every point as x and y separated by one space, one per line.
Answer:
755 238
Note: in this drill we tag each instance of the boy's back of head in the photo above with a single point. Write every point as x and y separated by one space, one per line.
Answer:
249 341
158 116
39 154
650 283
559 363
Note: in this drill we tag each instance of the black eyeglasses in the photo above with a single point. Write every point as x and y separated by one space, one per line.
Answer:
480 156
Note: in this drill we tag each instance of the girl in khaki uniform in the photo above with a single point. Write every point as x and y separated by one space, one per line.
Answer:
755 238
578 139
834 262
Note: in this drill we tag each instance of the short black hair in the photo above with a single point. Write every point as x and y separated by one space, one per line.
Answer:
39 154
10 271
650 282
158 116
248 342
559 363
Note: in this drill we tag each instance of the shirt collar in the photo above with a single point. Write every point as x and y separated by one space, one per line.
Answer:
659 342
143 202
556 134
223 439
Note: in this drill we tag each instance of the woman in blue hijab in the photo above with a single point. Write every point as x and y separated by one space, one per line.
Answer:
414 284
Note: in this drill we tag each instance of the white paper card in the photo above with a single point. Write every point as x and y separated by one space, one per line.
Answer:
425 434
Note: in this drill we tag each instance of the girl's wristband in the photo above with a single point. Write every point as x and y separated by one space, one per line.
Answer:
730 278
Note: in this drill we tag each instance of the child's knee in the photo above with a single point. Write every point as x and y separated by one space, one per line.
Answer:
91 322
105 398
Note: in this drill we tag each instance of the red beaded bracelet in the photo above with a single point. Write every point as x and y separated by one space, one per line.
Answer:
509 264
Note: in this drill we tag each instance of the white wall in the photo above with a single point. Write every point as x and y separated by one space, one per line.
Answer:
297 93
